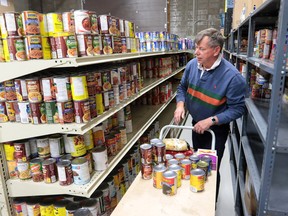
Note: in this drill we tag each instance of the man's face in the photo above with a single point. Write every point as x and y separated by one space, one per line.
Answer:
205 54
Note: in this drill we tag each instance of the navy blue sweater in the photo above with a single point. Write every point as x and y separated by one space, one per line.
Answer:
219 92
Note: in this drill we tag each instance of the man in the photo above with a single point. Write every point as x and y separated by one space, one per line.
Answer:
213 91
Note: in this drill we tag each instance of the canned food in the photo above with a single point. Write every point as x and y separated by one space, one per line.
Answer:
43 147
97 44
85 47
25 112
179 156
60 207
65 45
33 207
6 53
46 207
197 180
66 112
38 113
2 56
80 170
194 159
204 166
169 185
48 89
16 46
116 44
12 169
54 23
21 90
82 212
82 22
62 88
34 47
20 154
9 87
160 152
94 22
99 103
65 172
20 207
43 25
72 207
100 158
93 106
33 90
146 153
76 144
33 148
186 166
68 22
36 169
88 140
158 176
107 44
56 145
146 171
82 111
3 113
172 161
98 135
178 169
24 170
52 115
30 23
103 23
11 24
98 195
208 159
111 144
79 87
91 205
49 170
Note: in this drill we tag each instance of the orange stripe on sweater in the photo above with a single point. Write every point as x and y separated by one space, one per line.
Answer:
205 98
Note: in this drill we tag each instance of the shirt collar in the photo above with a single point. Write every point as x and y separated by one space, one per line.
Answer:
216 64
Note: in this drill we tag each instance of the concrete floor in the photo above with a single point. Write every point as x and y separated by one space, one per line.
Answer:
225 204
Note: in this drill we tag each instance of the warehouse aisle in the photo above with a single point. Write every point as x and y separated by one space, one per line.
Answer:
225 204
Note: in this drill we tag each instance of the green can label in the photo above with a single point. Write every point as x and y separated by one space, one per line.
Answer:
51 112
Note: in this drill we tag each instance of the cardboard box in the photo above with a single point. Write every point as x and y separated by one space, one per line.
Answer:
250 196
6 6
237 10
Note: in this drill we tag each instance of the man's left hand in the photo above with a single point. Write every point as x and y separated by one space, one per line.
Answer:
203 125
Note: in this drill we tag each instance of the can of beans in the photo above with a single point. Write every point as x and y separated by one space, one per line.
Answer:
158 171
65 172
16 46
179 156
103 23
124 48
36 169
54 23
43 147
46 207
12 169
66 112
43 25
20 154
20 207
48 89
85 47
25 112
60 207
97 44
82 22
98 195
93 107
111 144
197 180
79 87
51 112
77 145
80 170
62 87
100 158
194 159
13 111
38 113
2 55
33 46
33 90
208 159
107 44
160 151
88 140
24 170
91 84
11 24
6 54
186 166
56 145
169 185
93 22
68 22
3 113
49 170
100 103
21 90
204 166
172 161
31 23
66 45
113 25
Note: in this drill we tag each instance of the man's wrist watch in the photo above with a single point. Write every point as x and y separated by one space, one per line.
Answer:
213 119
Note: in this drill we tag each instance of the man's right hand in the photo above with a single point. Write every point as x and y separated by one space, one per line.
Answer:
179 112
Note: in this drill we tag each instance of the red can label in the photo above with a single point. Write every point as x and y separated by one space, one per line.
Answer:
82 111
146 171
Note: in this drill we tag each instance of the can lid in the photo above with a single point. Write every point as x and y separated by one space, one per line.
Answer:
63 163
97 194
80 160
49 161
73 206
202 163
82 212
186 161
37 160
206 158
159 168
173 161
66 157
89 203
154 141
174 167
100 148
194 157
145 146
197 172
169 174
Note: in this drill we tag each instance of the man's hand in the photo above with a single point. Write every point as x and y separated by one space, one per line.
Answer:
203 125
179 112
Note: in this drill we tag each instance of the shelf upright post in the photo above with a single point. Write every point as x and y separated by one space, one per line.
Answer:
275 108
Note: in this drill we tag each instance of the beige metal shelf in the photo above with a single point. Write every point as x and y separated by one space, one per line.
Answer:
143 117
12 70
7 130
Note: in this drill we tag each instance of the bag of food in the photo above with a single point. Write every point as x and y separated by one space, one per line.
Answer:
174 144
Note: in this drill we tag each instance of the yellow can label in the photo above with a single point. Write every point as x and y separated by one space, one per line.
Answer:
99 103
60 211
9 151
77 145
4 33
2 57
43 24
47 210
6 50
46 48
79 88
197 183
157 179
55 24
179 178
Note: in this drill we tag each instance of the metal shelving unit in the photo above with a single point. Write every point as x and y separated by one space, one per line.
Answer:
11 70
263 129
145 116
30 130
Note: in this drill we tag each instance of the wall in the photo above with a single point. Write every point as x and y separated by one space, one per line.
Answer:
187 17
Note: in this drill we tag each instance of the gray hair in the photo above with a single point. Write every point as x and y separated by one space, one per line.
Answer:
215 37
